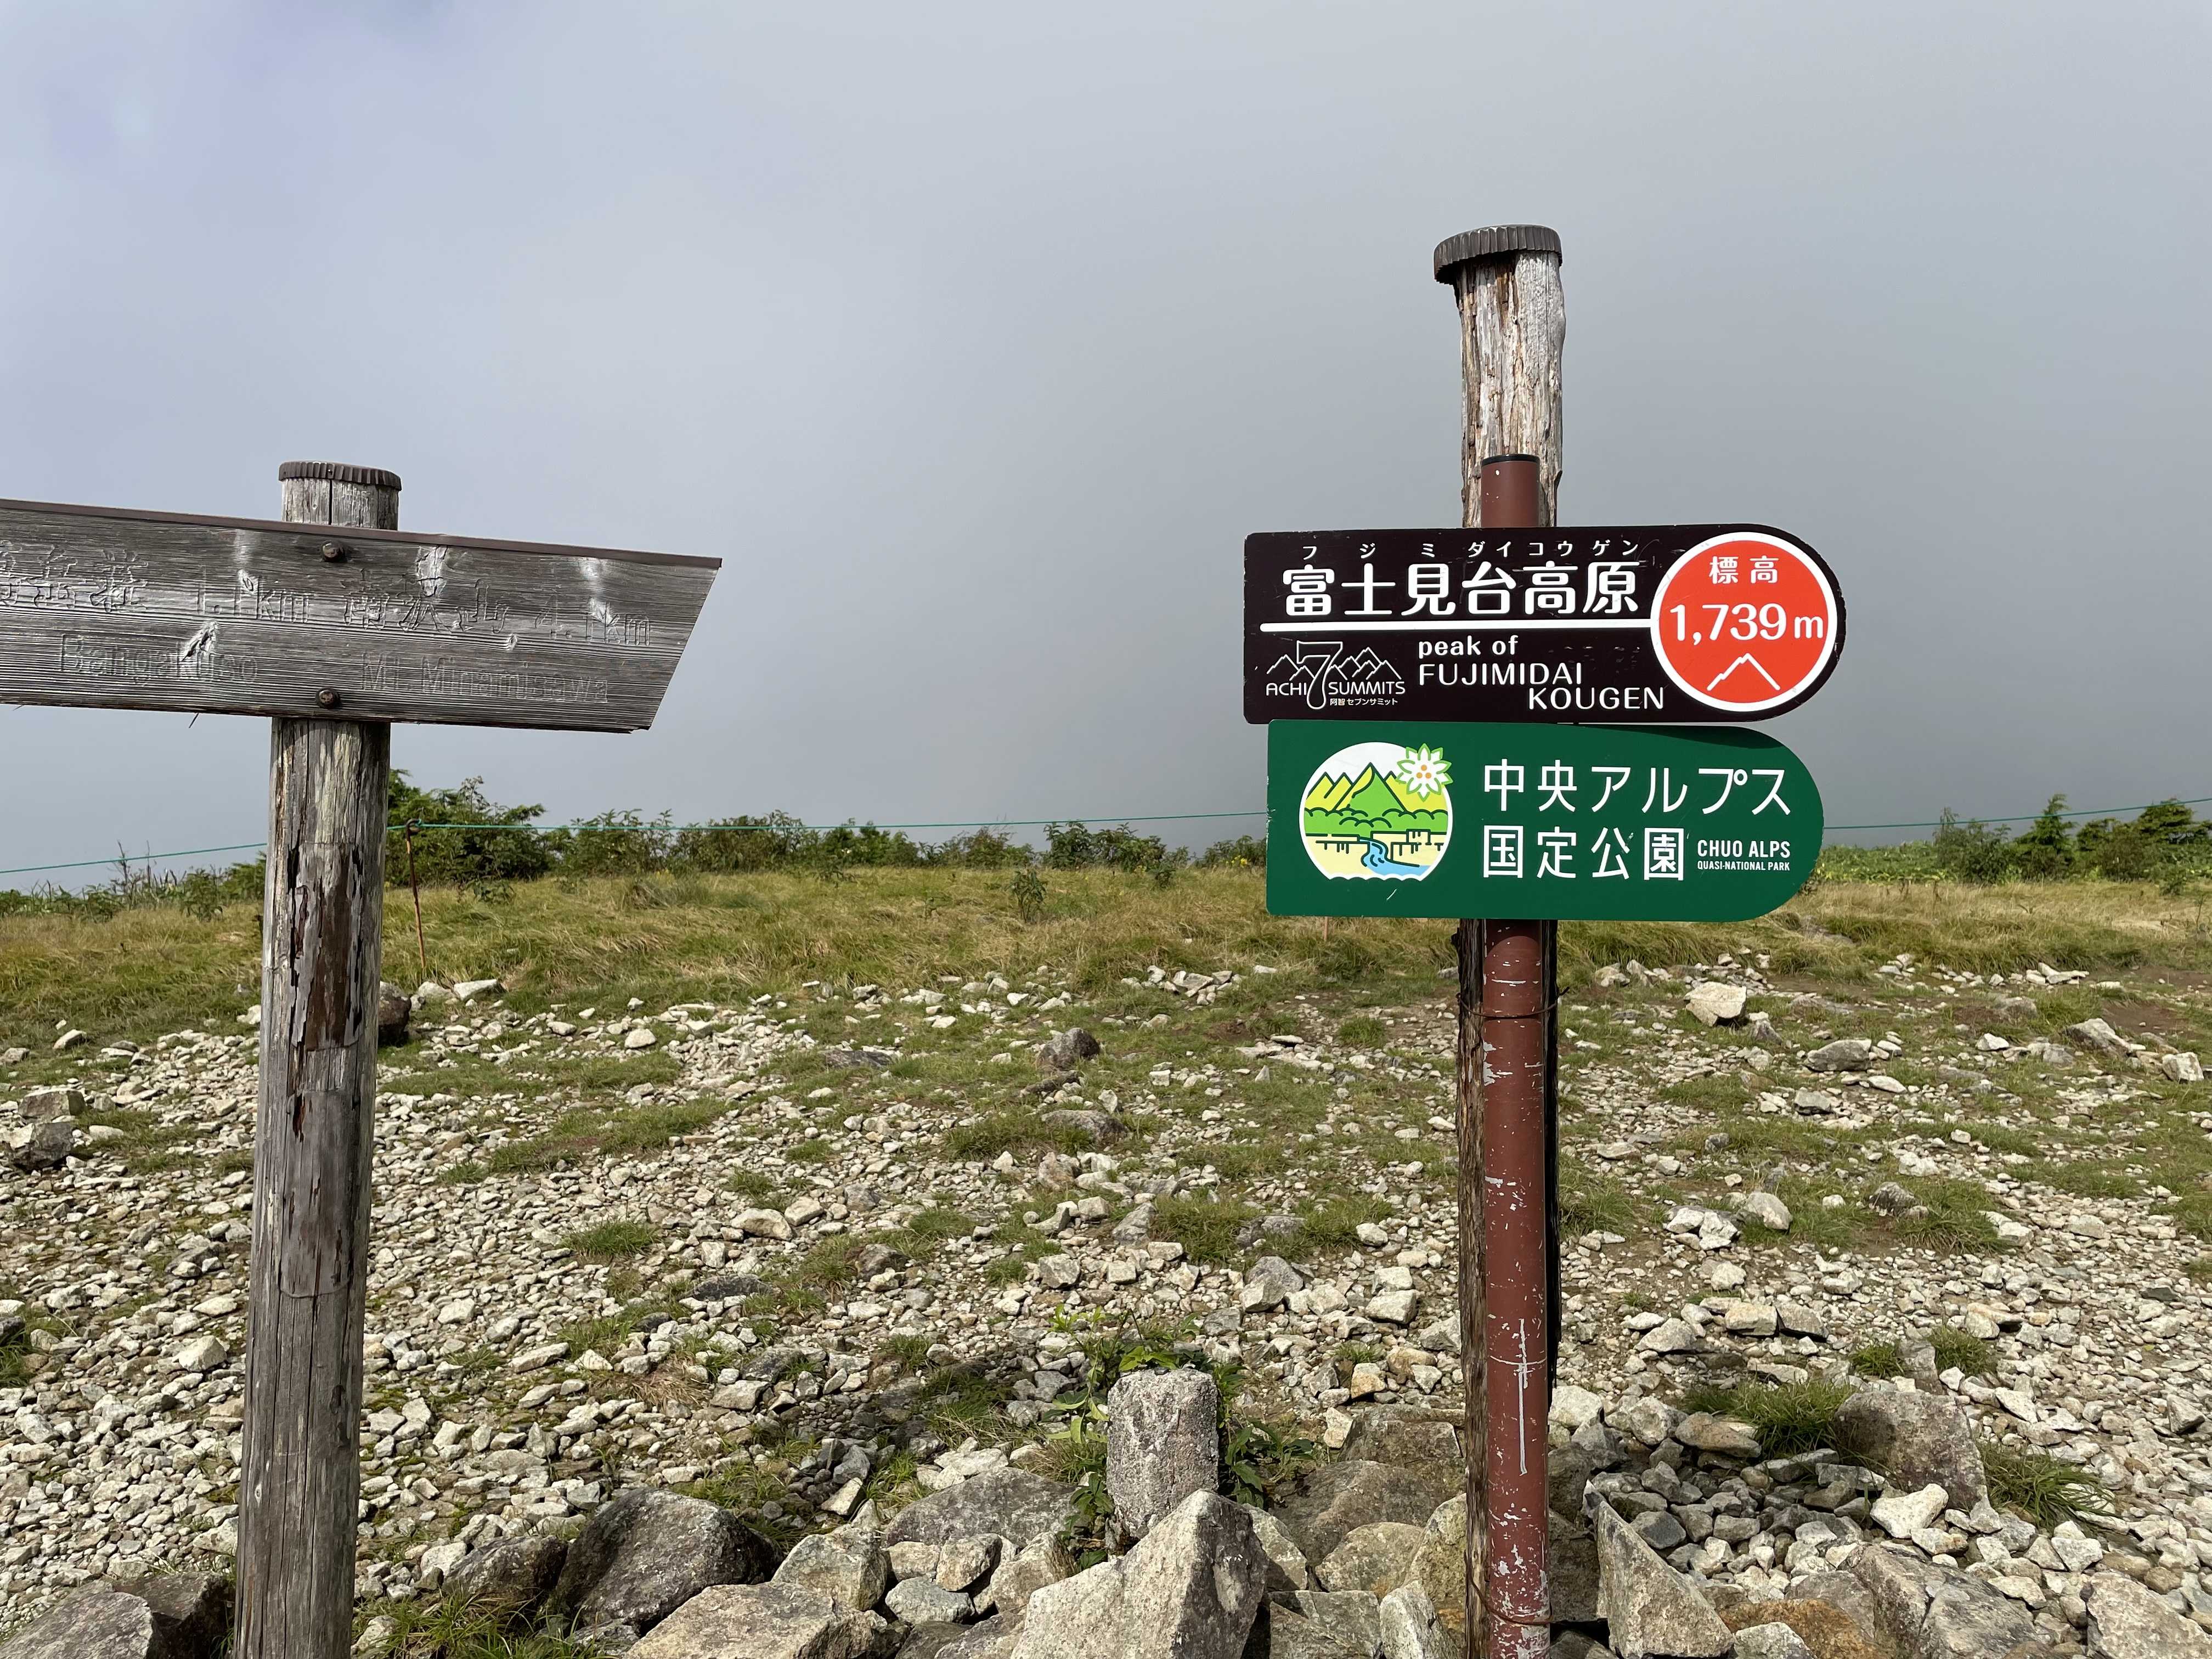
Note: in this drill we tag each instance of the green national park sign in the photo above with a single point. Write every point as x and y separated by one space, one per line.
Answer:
1567 822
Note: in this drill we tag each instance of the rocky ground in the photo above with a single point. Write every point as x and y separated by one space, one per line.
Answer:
866 1244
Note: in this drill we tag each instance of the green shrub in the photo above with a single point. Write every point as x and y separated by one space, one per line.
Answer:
1972 851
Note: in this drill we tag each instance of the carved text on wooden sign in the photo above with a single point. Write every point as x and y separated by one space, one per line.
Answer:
104 607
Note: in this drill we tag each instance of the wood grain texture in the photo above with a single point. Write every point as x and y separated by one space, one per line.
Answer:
100 607
299 1467
1513 330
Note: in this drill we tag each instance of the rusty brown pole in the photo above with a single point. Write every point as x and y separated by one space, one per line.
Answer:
1512 326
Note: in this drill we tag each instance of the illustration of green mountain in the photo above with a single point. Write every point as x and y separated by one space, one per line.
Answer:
1371 804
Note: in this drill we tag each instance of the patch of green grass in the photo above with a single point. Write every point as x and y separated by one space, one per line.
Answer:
451 1629
1206 1228
1590 1202
754 1187
1240 1160
589 1130
831 1264
1013 1267
985 1137
967 1399
610 1330
1878 1359
611 1073
746 1490
2069 1006
2192 1214
909 1352
1956 1218
1757 1136
2045 1489
1710 1092
2082 1177
2199 1269
1790 1419
1362 1031
613 1241
809 1151
1971 1354
1811 1221
929 1228
1334 1225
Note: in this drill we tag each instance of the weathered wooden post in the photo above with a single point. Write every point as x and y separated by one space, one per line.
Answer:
299 1482
335 625
1512 327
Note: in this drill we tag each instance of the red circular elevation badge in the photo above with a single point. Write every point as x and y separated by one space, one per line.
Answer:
1746 621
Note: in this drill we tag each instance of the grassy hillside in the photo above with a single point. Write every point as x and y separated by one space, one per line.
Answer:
662 937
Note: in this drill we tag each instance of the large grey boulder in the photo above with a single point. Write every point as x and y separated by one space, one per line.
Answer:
2126 1621
1293 1636
648 1552
1772 1641
1013 1502
932 1641
394 1007
1376 1558
1331 1500
1162 1444
510 1578
850 1566
1287 1567
1917 1440
44 1146
1078 1618
1063 1051
63 1100
1351 1619
1844 1054
1835 1595
1410 1629
763 1621
1930 1612
1649 1607
1412 1440
1191 1590
1041 1561
179 1617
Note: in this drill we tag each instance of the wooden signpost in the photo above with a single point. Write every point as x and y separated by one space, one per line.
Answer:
335 624
1412 637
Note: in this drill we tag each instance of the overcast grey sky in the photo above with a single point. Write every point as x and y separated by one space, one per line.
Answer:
975 338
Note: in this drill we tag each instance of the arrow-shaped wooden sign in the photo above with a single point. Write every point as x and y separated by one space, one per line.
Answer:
104 607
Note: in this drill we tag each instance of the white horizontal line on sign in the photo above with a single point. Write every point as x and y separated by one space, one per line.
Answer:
1443 624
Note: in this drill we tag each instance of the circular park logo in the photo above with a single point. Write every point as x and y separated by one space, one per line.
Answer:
1378 811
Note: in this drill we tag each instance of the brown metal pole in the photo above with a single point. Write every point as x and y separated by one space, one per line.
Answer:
1512 326
299 1479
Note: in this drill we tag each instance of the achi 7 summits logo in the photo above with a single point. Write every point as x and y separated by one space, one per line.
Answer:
1317 672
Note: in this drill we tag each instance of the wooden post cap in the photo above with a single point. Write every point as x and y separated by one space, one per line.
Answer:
1492 242
338 472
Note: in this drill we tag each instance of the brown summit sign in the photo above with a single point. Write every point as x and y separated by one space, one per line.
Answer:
1641 624
105 607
